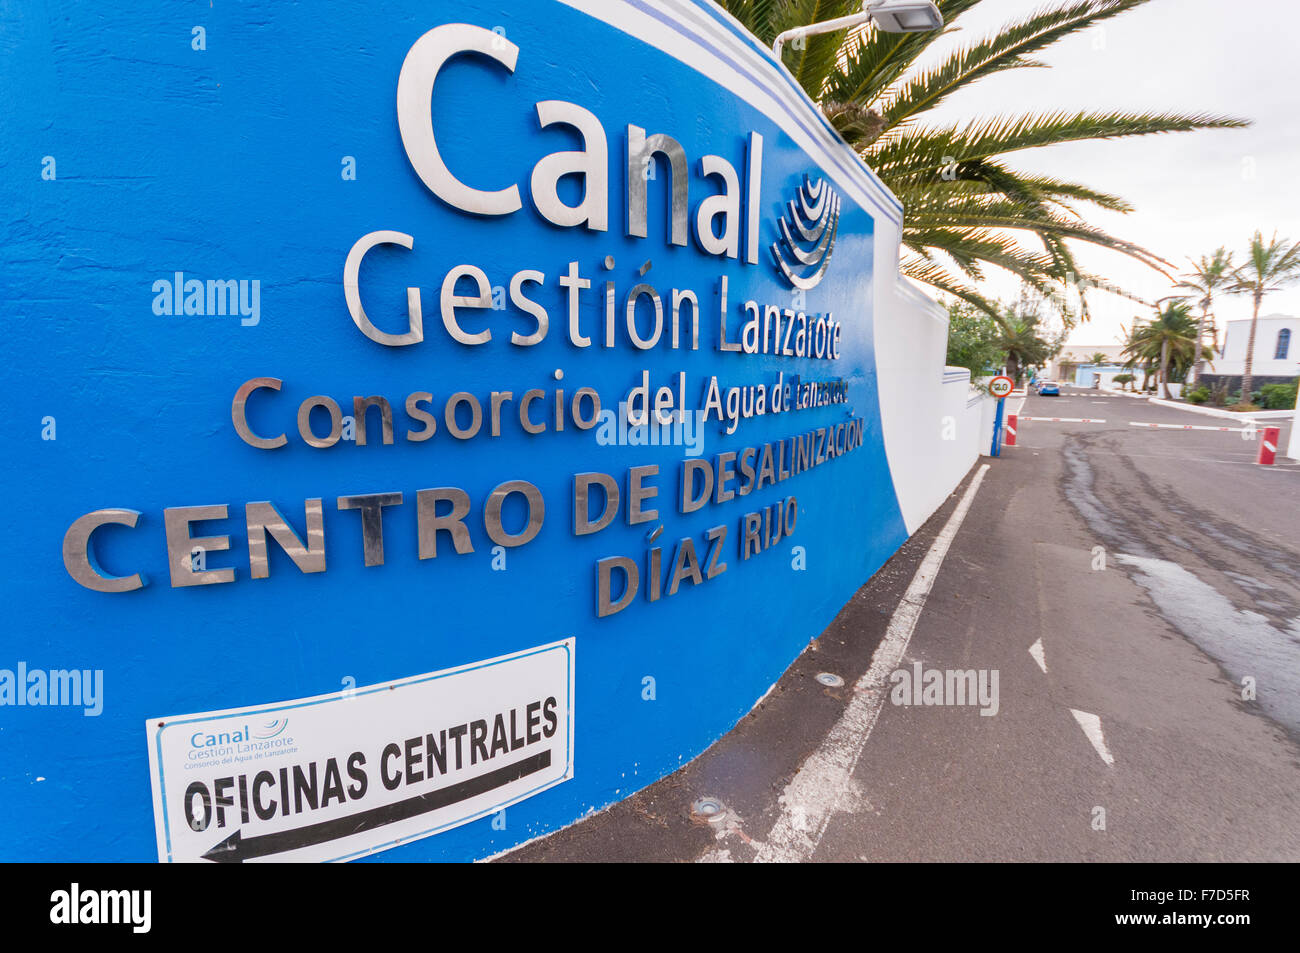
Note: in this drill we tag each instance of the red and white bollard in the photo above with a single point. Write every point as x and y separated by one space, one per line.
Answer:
1011 430
1268 445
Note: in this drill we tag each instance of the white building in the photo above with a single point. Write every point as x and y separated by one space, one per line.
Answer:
1062 367
1277 350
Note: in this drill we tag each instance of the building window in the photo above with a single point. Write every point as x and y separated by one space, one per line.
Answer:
1283 344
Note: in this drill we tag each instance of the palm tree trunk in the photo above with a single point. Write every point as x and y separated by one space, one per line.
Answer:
1200 335
1247 378
1164 366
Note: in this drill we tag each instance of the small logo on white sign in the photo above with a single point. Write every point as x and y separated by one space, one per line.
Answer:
364 769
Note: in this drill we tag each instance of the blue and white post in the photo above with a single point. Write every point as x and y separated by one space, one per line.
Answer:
999 387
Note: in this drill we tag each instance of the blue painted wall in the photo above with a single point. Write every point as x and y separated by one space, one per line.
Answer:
1085 375
226 163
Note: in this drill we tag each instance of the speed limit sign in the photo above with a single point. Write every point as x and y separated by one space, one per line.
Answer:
1001 386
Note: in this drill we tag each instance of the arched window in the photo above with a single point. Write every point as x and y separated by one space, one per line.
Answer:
1283 344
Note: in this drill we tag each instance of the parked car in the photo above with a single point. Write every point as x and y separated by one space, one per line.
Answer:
1049 389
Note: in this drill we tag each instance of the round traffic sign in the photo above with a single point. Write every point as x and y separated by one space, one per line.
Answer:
1001 386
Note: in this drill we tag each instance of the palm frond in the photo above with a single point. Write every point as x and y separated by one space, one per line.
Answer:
914 151
1004 50
757 16
812 58
1056 190
1013 218
969 247
964 207
934 275
873 59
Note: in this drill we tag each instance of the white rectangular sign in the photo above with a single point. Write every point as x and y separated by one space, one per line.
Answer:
339 776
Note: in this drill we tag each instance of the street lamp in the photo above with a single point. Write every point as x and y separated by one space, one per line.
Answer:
890 16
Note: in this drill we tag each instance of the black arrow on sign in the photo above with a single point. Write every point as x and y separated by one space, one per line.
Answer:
236 848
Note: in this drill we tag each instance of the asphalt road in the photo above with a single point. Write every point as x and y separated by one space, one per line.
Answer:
1153 573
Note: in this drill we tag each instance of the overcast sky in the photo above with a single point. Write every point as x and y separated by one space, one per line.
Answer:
1192 191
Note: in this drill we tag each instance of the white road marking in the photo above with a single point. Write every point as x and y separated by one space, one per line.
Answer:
1091 726
825 780
1036 650
1066 420
720 856
1134 423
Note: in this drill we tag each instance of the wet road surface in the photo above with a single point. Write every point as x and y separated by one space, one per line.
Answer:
1136 593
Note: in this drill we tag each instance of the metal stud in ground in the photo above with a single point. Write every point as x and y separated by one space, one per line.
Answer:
708 809
830 680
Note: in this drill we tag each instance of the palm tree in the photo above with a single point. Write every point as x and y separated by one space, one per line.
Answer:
1267 268
1169 338
1066 366
1135 353
963 205
1098 358
1022 344
1138 350
1212 273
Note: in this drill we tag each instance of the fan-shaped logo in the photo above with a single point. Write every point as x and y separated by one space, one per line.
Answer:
807 234
271 729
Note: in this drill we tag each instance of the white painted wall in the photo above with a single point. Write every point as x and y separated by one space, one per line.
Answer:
1107 382
1079 354
1106 379
1233 358
934 424
1293 449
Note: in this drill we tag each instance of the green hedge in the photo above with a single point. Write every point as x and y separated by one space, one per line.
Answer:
1279 396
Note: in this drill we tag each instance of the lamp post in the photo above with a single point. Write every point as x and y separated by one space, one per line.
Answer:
890 16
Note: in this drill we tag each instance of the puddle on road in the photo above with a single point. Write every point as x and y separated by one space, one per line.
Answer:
1244 643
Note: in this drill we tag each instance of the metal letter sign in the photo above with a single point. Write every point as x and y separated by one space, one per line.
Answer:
346 349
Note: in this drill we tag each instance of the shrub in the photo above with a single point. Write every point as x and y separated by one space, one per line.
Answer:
1279 396
1198 396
